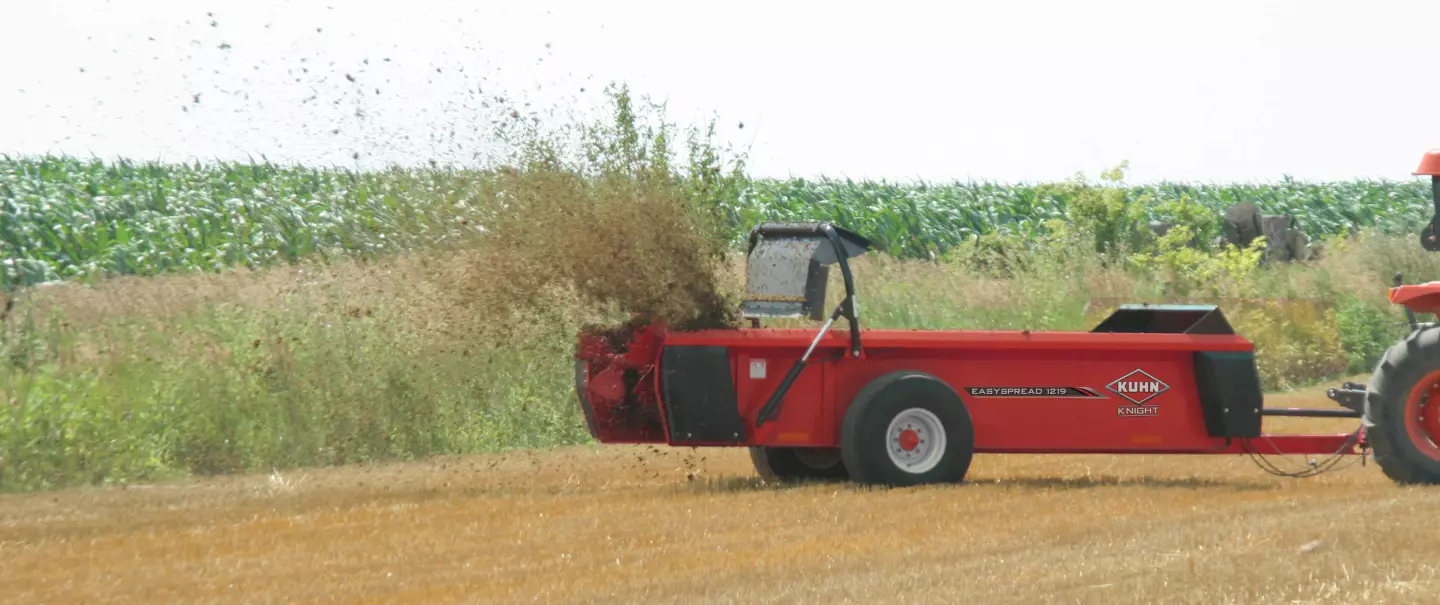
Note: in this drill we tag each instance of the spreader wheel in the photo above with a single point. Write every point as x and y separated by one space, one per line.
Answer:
1402 415
798 463
907 428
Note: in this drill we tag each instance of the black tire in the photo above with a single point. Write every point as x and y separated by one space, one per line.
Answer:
865 443
1399 374
793 464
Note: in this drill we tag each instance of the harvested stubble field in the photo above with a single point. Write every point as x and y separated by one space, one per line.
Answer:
633 524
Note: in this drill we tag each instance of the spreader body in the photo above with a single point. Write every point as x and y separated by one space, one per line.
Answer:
1143 381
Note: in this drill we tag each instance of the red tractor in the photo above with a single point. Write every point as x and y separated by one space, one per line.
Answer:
907 407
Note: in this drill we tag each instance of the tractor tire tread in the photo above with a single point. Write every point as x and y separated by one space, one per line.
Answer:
1386 396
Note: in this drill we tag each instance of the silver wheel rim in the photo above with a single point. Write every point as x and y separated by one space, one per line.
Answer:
915 440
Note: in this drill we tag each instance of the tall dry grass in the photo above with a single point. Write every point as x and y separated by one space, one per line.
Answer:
141 378
445 349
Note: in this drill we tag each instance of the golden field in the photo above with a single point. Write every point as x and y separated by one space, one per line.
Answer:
636 524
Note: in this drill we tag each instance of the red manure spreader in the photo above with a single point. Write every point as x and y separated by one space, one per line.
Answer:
909 407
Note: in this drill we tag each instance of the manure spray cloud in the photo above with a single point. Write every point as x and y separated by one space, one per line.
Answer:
614 228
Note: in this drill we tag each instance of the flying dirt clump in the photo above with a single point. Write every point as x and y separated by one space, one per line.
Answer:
617 245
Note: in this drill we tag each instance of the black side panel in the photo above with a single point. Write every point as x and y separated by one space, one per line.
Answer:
1230 393
815 283
699 393
1166 319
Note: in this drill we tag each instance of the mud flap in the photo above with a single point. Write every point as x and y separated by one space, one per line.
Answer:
1230 394
701 406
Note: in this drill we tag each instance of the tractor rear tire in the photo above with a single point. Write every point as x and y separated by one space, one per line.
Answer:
794 464
1402 410
907 428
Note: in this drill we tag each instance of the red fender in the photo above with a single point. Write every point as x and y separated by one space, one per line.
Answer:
1420 298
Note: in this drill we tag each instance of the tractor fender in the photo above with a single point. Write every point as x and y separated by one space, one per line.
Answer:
1418 298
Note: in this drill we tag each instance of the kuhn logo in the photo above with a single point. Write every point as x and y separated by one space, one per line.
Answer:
1138 387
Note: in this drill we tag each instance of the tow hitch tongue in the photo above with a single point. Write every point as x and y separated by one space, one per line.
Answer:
1349 395
786 276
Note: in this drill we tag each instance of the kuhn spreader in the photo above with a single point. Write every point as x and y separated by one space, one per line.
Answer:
906 407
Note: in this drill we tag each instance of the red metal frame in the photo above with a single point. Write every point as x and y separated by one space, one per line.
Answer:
1096 420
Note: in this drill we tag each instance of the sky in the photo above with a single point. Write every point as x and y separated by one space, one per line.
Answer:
1022 90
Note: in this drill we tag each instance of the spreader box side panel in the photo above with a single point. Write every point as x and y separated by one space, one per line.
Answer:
1057 400
698 390
805 412
1230 393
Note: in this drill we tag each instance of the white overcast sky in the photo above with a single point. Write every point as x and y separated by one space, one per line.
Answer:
1020 90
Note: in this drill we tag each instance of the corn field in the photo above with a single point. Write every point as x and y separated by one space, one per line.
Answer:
64 218
912 221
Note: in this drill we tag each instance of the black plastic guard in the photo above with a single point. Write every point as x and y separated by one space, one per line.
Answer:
815 282
1166 319
585 407
1230 393
698 389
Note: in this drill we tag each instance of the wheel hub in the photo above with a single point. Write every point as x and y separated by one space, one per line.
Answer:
1428 414
909 439
915 440
1422 416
